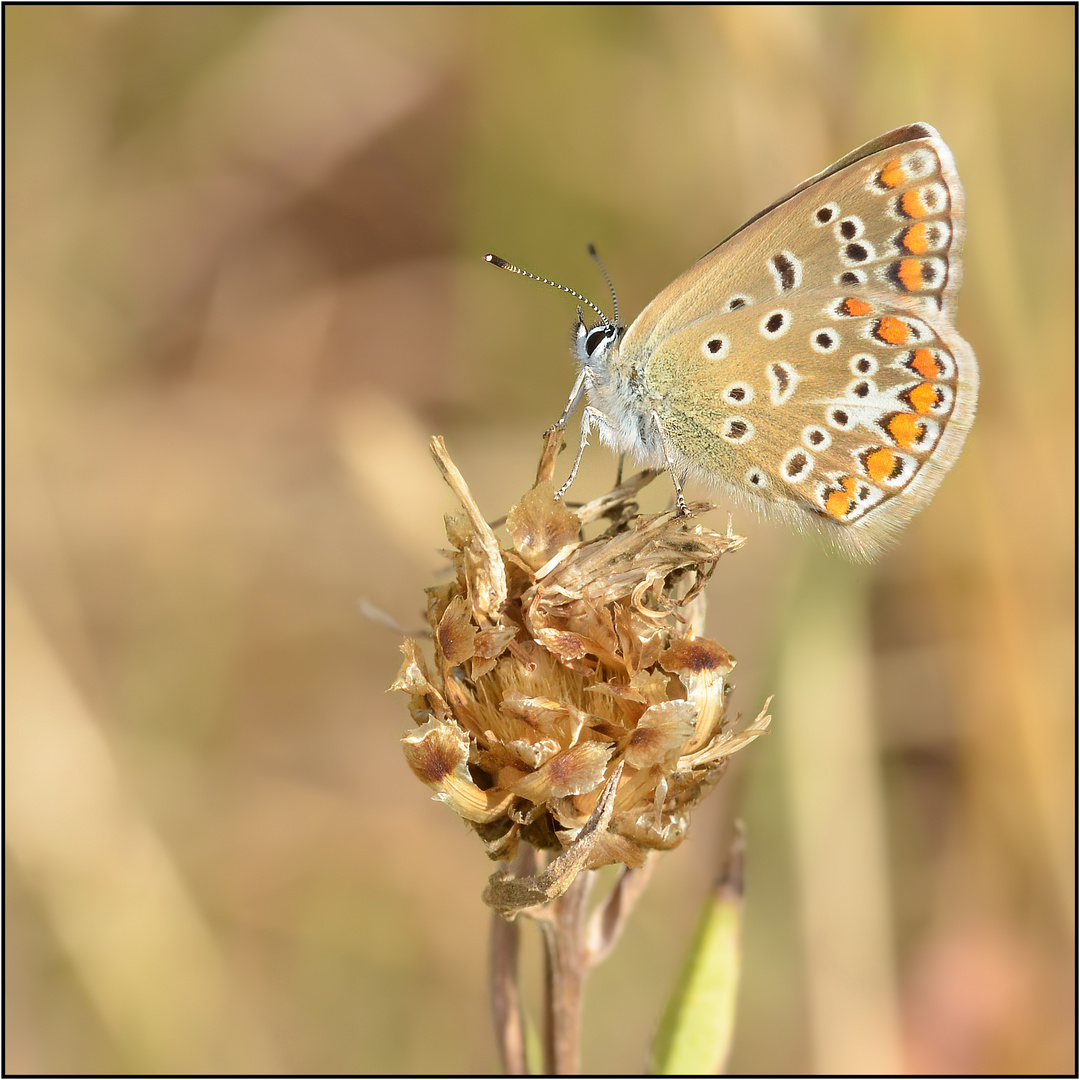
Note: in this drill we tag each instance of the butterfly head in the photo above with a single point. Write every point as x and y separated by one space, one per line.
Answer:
592 344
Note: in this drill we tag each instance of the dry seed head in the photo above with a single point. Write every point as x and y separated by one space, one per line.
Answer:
573 704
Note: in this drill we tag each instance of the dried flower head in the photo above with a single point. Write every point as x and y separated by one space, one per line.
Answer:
573 705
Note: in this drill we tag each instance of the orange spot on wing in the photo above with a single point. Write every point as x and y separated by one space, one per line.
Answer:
924 362
880 464
911 202
916 239
853 306
891 330
893 173
923 398
905 429
910 274
841 503
838 504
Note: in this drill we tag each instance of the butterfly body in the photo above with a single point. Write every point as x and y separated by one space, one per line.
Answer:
807 366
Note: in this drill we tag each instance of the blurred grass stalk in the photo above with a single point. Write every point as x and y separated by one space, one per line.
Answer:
837 805
118 904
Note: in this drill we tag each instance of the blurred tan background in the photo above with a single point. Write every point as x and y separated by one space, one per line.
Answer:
244 286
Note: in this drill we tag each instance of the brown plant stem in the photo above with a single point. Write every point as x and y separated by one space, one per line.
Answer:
506 1009
505 997
606 923
563 925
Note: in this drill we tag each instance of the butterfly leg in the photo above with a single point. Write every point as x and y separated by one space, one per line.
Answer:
589 417
575 399
680 501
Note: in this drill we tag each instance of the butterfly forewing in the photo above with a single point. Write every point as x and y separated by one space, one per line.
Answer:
890 221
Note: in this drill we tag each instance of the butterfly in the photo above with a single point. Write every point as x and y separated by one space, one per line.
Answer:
808 366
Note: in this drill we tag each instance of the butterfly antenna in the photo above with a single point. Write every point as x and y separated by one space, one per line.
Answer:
504 265
607 278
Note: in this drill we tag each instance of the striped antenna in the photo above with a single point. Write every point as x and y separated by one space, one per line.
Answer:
607 278
504 265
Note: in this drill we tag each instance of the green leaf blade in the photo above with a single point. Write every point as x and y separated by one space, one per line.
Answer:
696 1031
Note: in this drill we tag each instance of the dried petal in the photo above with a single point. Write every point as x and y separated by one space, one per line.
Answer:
438 753
458 530
456 635
662 836
534 752
725 745
480 667
413 675
581 768
436 750
560 719
564 643
413 679
612 847
696 656
701 665
492 643
541 527
483 556
660 734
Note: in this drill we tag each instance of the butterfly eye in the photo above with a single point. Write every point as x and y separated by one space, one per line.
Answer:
596 338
